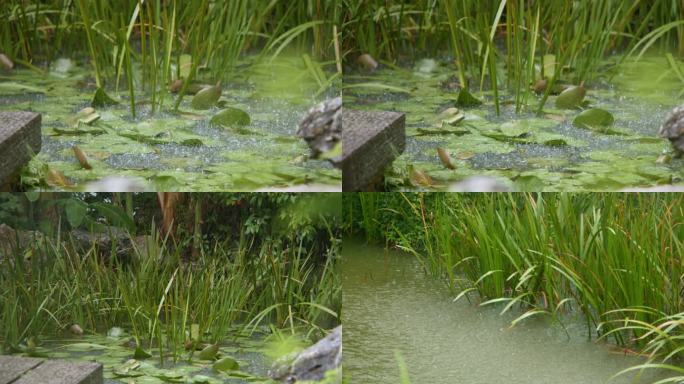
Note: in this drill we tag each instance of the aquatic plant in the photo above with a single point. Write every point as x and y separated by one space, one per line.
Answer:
145 45
512 44
614 258
269 275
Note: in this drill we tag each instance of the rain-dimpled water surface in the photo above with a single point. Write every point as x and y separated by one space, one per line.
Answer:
528 151
391 305
178 151
115 353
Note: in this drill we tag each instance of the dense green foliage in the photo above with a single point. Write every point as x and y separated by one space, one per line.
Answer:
509 44
614 258
264 259
150 43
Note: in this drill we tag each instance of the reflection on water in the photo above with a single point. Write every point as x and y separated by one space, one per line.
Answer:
390 304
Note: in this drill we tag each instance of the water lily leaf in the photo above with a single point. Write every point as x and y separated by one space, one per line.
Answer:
201 379
141 353
226 364
571 98
207 97
81 157
82 347
192 143
82 129
101 99
445 158
128 369
139 137
209 352
466 99
521 139
231 117
443 130
166 183
593 118
528 183
556 143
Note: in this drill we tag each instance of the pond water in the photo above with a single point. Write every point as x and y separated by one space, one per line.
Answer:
527 151
117 357
179 151
391 305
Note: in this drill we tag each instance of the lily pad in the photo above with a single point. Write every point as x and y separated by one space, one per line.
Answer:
571 98
101 99
231 117
226 364
466 99
594 118
209 352
141 353
207 97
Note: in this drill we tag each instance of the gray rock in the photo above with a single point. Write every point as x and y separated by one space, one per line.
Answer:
112 239
311 363
322 126
673 129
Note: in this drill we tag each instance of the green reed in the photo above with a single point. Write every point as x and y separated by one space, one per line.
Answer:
614 258
140 44
159 295
502 43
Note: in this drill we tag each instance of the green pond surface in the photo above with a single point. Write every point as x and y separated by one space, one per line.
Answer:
178 151
529 151
120 366
390 305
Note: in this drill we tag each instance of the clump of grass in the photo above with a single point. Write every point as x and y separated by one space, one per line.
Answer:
502 44
613 258
159 295
145 45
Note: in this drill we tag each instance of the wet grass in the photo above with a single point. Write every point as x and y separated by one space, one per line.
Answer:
159 295
614 258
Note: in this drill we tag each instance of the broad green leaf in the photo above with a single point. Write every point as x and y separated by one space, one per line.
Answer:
101 99
207 97
75 211
593 118
231 117
226 364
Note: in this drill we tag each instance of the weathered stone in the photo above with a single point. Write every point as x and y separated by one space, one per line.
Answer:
22 370
11 368
112 239
372 140
19 140
311 363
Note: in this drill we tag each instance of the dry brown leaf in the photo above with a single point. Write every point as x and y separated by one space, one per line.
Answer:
445 158
81 157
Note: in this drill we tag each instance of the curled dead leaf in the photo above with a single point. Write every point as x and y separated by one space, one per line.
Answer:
445 158
81 157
